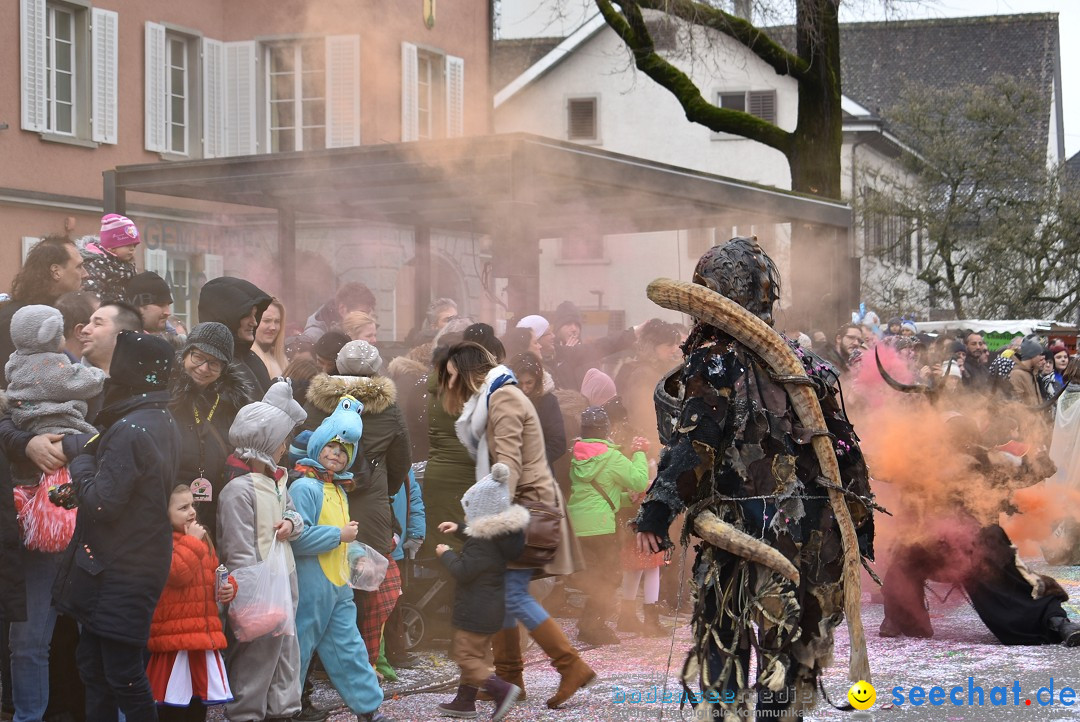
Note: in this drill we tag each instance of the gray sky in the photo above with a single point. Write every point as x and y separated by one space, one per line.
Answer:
1069 27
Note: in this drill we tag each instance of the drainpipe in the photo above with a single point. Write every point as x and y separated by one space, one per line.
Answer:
856 259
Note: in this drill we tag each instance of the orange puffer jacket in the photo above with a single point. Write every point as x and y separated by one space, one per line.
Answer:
187 614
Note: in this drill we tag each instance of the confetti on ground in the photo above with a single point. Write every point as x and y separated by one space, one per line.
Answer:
962 647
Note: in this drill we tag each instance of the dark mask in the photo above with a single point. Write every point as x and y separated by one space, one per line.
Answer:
744 273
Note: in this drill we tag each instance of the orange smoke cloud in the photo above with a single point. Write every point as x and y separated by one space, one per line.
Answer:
912 447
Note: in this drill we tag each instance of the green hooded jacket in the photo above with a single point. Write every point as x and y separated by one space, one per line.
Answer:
601 461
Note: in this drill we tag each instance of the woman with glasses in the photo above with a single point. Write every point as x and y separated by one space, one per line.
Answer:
207 392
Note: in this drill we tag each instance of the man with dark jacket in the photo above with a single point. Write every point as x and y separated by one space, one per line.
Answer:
848 338
387 452
239 305
977 362
117 563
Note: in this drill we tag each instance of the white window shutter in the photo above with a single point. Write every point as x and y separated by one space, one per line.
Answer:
28 243
155 87
410 106
105 25
213 266
342 91
156 260
213 105
32 21
240 137
455 97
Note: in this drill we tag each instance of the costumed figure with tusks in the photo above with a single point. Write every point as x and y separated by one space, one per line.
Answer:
760 454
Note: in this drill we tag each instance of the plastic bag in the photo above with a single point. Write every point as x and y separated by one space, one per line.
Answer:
367 567
45 526
263 604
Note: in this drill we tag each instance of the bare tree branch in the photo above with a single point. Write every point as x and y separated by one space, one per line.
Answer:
735 27
630 27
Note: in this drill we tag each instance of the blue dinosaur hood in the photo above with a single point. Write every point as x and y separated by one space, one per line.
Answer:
344 426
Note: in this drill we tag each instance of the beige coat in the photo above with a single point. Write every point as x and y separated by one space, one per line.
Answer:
515 439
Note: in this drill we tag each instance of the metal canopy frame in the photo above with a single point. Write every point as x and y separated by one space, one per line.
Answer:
517 188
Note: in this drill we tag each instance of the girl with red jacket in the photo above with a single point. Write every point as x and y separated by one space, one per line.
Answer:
186 669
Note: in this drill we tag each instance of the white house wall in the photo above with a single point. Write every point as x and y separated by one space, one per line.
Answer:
637 117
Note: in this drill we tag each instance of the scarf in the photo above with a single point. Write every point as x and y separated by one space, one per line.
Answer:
471 426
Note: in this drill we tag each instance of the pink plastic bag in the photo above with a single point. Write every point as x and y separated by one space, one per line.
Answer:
263 603
45 526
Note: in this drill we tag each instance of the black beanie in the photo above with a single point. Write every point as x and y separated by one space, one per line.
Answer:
141 361
147 288
595 423
329 344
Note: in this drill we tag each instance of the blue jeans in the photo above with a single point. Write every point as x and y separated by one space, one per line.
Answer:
520 605
30 640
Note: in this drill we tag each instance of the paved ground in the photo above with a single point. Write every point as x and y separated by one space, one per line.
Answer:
961 648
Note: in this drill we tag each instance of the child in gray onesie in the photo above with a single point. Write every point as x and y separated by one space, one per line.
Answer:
46 392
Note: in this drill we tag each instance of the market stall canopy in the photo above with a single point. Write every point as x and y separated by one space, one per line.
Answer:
1015 327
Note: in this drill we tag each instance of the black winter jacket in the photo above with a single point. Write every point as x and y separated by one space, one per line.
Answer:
480 568
551 423
204 447
118 561
227 300
572 362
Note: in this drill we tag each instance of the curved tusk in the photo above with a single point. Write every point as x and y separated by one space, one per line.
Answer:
760 338
893 383
720 534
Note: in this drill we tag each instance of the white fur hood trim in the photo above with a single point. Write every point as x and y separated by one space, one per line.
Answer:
516 518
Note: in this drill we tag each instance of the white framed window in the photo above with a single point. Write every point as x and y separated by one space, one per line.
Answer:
185 93
759 103
250 96
582 119
178 73
432 94
60 62
583 246
295 95
428 87
68 62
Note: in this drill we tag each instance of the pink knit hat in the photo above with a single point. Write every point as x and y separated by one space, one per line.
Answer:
597 387
117 231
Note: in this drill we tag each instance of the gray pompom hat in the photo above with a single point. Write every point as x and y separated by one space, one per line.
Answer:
487 497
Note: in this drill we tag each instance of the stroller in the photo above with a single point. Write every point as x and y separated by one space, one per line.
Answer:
426 593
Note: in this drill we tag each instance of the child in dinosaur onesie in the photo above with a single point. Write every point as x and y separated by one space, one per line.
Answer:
326 613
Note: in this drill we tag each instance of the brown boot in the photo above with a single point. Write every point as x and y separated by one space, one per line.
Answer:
506 648
628 619
653 626
573 672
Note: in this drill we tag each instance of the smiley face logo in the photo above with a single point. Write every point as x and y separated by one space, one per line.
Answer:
862 695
